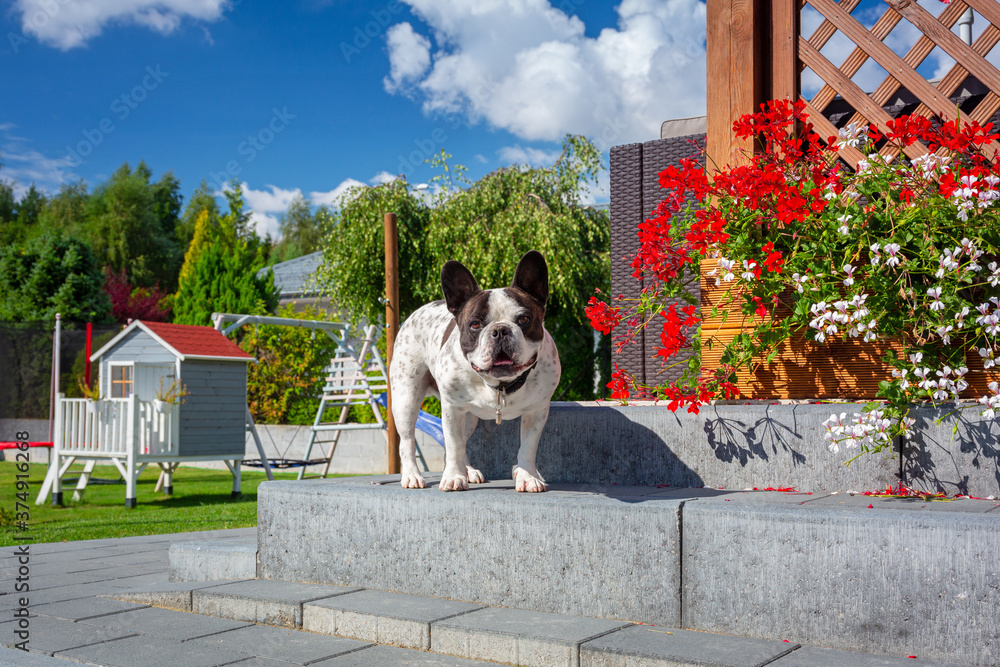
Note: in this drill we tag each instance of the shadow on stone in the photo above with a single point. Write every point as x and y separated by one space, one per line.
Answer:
953 455
596 445
732 439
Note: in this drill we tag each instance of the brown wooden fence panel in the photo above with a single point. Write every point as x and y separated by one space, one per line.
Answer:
845 369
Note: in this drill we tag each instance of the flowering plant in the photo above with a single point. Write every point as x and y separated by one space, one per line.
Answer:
904 253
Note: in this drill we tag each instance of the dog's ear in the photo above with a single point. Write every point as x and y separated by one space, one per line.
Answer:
532 276
458 285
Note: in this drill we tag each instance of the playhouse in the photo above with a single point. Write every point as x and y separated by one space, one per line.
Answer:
132 427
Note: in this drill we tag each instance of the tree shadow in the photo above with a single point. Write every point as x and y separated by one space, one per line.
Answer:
733 440
931 462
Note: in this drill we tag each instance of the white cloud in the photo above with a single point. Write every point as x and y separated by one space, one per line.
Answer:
66 24
24 165
268 206
528 68
382 177
409 56
530 156
333 197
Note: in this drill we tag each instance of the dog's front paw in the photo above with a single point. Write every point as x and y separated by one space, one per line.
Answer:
475 477
528 482
453 481
412 480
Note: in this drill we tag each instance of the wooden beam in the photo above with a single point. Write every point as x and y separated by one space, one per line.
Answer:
738 65
784 50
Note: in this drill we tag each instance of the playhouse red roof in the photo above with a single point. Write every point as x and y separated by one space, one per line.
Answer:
196 341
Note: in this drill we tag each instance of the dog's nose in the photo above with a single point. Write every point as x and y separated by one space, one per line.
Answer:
501 331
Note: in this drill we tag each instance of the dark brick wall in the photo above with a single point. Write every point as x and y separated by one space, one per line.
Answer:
635 191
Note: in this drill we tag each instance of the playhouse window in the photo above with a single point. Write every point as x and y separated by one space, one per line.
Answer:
121 381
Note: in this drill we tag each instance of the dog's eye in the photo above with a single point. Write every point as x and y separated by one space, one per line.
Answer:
524 319
474 325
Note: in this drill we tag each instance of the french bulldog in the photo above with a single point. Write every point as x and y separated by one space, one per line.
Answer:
487 355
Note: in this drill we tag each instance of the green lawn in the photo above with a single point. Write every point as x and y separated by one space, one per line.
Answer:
201 501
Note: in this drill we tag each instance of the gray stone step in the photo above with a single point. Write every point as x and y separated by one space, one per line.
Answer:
213 560
846 572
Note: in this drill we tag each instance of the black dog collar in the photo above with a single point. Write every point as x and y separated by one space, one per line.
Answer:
510 387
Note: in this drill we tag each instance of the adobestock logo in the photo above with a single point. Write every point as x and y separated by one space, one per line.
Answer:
363 35
253 146
121 107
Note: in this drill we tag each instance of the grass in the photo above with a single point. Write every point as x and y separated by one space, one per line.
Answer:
201 501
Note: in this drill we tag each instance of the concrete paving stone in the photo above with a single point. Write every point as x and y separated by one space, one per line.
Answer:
812 656
143 651
293 646
382 617
518 636
167 623
261 662
124 547
45 582
49 635
134 559
208 560
140 581
162 593
392 656
84 608
10 657
147 570
648 646
64 593
262 600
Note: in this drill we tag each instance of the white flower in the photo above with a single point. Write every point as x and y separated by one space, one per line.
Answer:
894 258
853 135
988 359
748 270
876 256
995 276
800 280
935 294
849 270
945 333
843 220
727 266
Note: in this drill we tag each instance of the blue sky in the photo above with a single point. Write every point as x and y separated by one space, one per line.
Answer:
309 96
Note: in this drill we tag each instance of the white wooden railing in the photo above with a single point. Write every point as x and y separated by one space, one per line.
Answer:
116 427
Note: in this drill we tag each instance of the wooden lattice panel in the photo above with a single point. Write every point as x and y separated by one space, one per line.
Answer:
936 32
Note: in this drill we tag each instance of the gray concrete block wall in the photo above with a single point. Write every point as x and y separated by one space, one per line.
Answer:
878 575
739 446
550 552
729 446
874 580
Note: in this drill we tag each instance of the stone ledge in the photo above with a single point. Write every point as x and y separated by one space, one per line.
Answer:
488 545
213 560
755 444
813 568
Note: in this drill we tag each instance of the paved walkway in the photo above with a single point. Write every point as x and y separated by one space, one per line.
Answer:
109 602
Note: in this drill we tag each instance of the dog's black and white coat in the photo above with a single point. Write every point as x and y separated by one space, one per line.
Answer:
477 350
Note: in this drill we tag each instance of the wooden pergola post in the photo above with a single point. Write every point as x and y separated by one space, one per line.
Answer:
752 57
